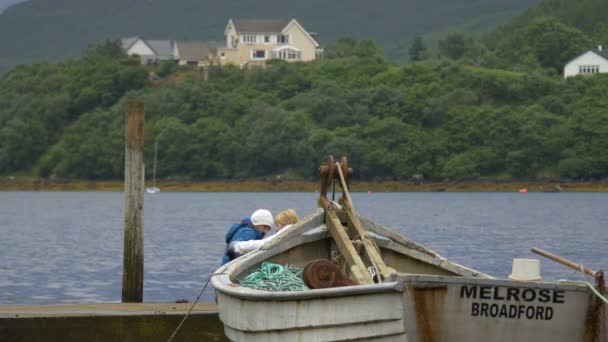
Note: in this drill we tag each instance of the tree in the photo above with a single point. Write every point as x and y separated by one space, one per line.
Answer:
454 45
418 50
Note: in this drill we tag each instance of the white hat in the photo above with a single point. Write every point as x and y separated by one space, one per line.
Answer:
526 270
262 217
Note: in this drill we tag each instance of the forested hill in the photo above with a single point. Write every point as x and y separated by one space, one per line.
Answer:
494 108
438 118
54 29
589 16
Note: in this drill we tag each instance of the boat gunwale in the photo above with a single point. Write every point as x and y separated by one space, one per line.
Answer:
417 279
252 294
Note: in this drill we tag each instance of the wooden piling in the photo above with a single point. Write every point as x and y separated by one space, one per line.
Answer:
133 256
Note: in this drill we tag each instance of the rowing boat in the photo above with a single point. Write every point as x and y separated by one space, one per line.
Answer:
424 297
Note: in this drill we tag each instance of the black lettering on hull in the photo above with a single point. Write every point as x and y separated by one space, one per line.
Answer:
530 312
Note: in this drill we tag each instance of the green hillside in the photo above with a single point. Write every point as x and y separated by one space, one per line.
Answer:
54 29
496 108
439 118
553 26
588 16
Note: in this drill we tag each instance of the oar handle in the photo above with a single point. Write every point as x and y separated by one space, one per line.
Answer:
564 261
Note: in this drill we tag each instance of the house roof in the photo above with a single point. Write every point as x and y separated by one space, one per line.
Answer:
603 52
260 25
128 42
163 48
195 50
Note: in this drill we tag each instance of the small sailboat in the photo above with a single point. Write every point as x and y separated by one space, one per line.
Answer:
154 188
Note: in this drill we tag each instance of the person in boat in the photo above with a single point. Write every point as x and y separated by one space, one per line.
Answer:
250 228
283 220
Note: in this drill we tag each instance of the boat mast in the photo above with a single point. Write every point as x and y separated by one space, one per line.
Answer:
155 154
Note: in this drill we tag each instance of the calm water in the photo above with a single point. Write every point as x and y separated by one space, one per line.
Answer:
66 247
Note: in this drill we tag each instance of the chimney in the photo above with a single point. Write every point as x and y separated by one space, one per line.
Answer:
599 47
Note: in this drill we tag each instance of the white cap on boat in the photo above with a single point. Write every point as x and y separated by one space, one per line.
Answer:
525 270
262 217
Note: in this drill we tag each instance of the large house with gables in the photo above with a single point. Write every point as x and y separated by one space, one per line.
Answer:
253 42
248 42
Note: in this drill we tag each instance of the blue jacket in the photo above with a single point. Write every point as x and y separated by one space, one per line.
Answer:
243 231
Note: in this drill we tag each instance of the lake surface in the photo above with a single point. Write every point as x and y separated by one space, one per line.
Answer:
66 247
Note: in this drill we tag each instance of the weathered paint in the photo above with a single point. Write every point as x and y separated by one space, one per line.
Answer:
465 309
318 319
596 322
428 306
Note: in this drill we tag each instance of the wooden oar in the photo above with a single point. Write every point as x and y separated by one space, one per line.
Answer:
565 262
598 275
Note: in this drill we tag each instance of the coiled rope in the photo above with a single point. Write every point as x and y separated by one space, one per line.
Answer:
275 277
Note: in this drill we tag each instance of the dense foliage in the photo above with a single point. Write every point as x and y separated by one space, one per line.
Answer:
437 118
38 101
497 108
549 34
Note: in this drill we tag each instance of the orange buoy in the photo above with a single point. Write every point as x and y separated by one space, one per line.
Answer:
523 190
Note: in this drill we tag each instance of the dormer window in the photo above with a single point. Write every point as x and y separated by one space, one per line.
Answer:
266 39
283 39
249 38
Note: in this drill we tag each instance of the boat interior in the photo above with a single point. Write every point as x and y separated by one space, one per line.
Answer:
311 240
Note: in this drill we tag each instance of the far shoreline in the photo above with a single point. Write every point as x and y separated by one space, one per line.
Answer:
7 184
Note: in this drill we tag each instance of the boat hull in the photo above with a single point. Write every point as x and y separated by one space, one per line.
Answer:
430 299
468 309
366 316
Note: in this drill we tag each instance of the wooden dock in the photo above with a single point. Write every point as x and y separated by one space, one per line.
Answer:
109 322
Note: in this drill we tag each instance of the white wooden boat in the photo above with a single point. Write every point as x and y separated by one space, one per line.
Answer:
154 188
429 299
423 297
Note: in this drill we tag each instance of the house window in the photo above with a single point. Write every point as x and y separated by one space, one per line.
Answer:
292 54
588 69
258 54
249 38
288 54
282 39
266 39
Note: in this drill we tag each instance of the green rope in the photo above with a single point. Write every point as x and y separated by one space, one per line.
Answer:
274 277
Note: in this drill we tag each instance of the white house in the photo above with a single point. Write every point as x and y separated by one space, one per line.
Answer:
149 51
594 61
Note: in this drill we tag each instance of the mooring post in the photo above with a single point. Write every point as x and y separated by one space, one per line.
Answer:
133 256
